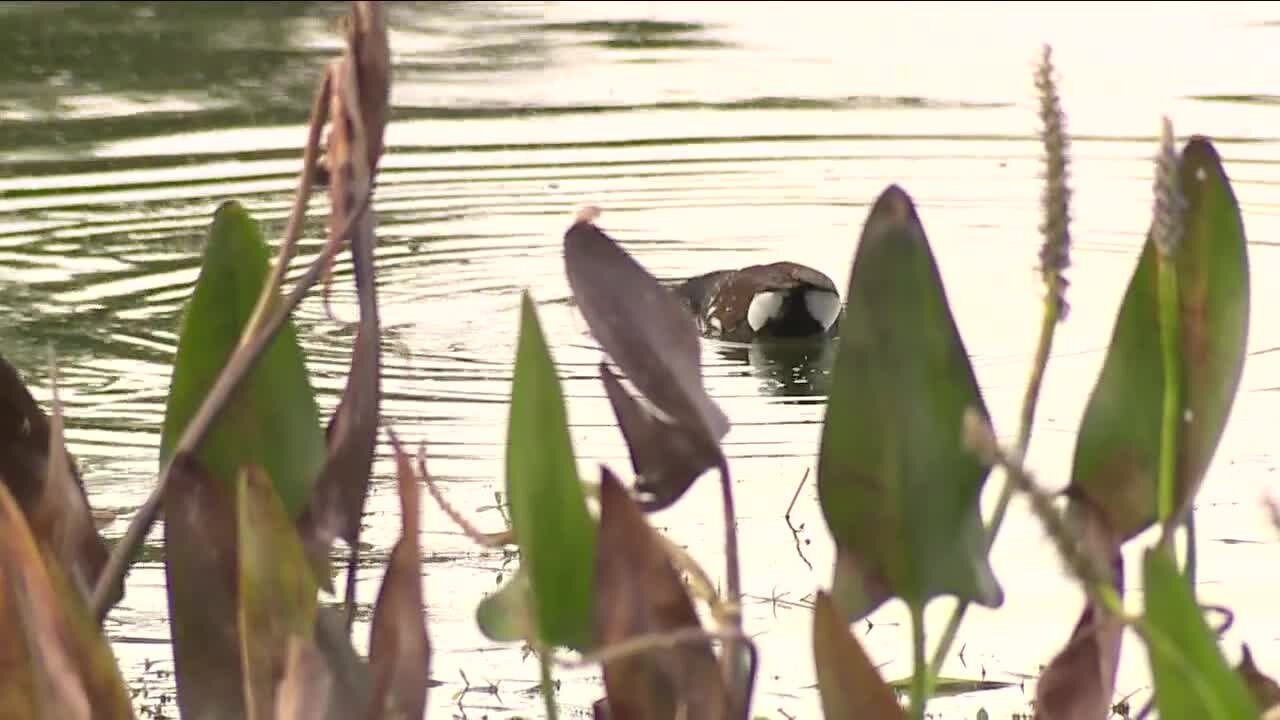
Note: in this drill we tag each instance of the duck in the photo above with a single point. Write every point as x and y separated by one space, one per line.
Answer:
778 300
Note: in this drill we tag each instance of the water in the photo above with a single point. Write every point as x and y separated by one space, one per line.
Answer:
713 135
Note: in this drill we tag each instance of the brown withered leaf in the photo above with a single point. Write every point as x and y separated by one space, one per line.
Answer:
399 648
638 592
1264 689
337 502
848 682
50 494
367 39
666 460
62 514
1079 682
54 661
201 576
304 690
360 83
654 341
351 678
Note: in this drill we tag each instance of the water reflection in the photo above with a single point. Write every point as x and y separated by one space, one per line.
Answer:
788 368
85 73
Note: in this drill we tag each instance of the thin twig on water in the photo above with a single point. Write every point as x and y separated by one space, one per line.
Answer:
795 532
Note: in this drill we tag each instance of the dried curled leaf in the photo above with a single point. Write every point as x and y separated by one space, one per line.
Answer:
639 593
1265 690
304 690
666 459
1079 682
201 564
399 648
42 477
54 661
654 341
359 98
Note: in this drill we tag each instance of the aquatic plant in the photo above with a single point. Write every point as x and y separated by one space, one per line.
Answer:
254 492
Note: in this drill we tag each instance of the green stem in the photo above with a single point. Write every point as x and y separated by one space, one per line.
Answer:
1191 550
548 686
1048 324
1172 411
920 680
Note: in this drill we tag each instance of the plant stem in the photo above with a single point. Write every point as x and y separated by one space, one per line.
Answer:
739 682
241 363
1172 411
548 685
1048 325
297 215
920 681
1191 550
1088 569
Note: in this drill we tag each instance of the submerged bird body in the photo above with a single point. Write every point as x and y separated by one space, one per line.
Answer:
777 300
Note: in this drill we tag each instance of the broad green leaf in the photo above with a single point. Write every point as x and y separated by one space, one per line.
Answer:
504 615
272 421
277 592
1118 447
54 660
556 534
898 489
1192 678
848 683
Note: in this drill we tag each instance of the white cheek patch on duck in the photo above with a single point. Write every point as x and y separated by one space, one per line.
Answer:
764 307
824 306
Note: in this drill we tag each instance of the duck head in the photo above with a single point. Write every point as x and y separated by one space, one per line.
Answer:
776 301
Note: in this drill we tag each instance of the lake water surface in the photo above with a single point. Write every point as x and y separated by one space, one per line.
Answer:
712 135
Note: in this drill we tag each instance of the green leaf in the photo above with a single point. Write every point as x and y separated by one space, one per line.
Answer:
556 534
505 615
898 488
1192 678
1118 447
277 592
272 421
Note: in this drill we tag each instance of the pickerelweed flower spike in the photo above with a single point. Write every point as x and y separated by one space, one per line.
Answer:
1055 255
1166 230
